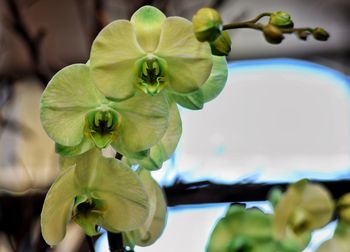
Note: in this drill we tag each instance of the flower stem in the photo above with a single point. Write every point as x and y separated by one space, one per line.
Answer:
247 24
115 242
90 243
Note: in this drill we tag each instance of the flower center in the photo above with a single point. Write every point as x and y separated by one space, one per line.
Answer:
104 121
151 73
87 211
102 126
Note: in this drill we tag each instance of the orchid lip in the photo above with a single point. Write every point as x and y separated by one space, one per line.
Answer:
102 125
151 74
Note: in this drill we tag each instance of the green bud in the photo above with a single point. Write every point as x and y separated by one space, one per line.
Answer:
221 46
207 24
320 34
272 34
281 19
344 207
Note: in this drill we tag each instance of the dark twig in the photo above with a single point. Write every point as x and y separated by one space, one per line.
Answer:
90 243
207 192
33 44
115 242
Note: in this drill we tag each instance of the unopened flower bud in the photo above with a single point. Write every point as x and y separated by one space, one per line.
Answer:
320 34
221 46
272 34
281 19
207 24
344 207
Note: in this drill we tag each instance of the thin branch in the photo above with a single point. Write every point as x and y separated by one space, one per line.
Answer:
248 24
115 242
208 192
32 44
90 243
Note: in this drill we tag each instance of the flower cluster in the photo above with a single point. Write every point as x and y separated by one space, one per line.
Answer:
126 96
303 208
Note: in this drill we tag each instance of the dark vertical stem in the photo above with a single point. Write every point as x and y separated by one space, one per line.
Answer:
115 242
90 243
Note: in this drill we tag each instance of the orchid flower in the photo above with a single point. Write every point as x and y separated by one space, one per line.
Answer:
247 230
93 190
303 208
78 117
151 53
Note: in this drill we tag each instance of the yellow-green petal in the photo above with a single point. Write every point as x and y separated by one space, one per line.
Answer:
56 212
124 194
163 150
189 61
69 151
249 226
303 208
193 101
217 79
66 99
147 22
152 229
112 60
144 122
209 90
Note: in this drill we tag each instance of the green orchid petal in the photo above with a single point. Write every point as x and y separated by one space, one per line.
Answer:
194 101
69 151
152 229
101 140
189 61
144 122
209 90
87 213
66 99
303 208
147 22
163 150
249 225
343 206
56 212
66 162
112 60
131 155
217 79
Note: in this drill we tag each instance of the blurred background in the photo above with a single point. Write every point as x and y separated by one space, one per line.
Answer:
283 115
